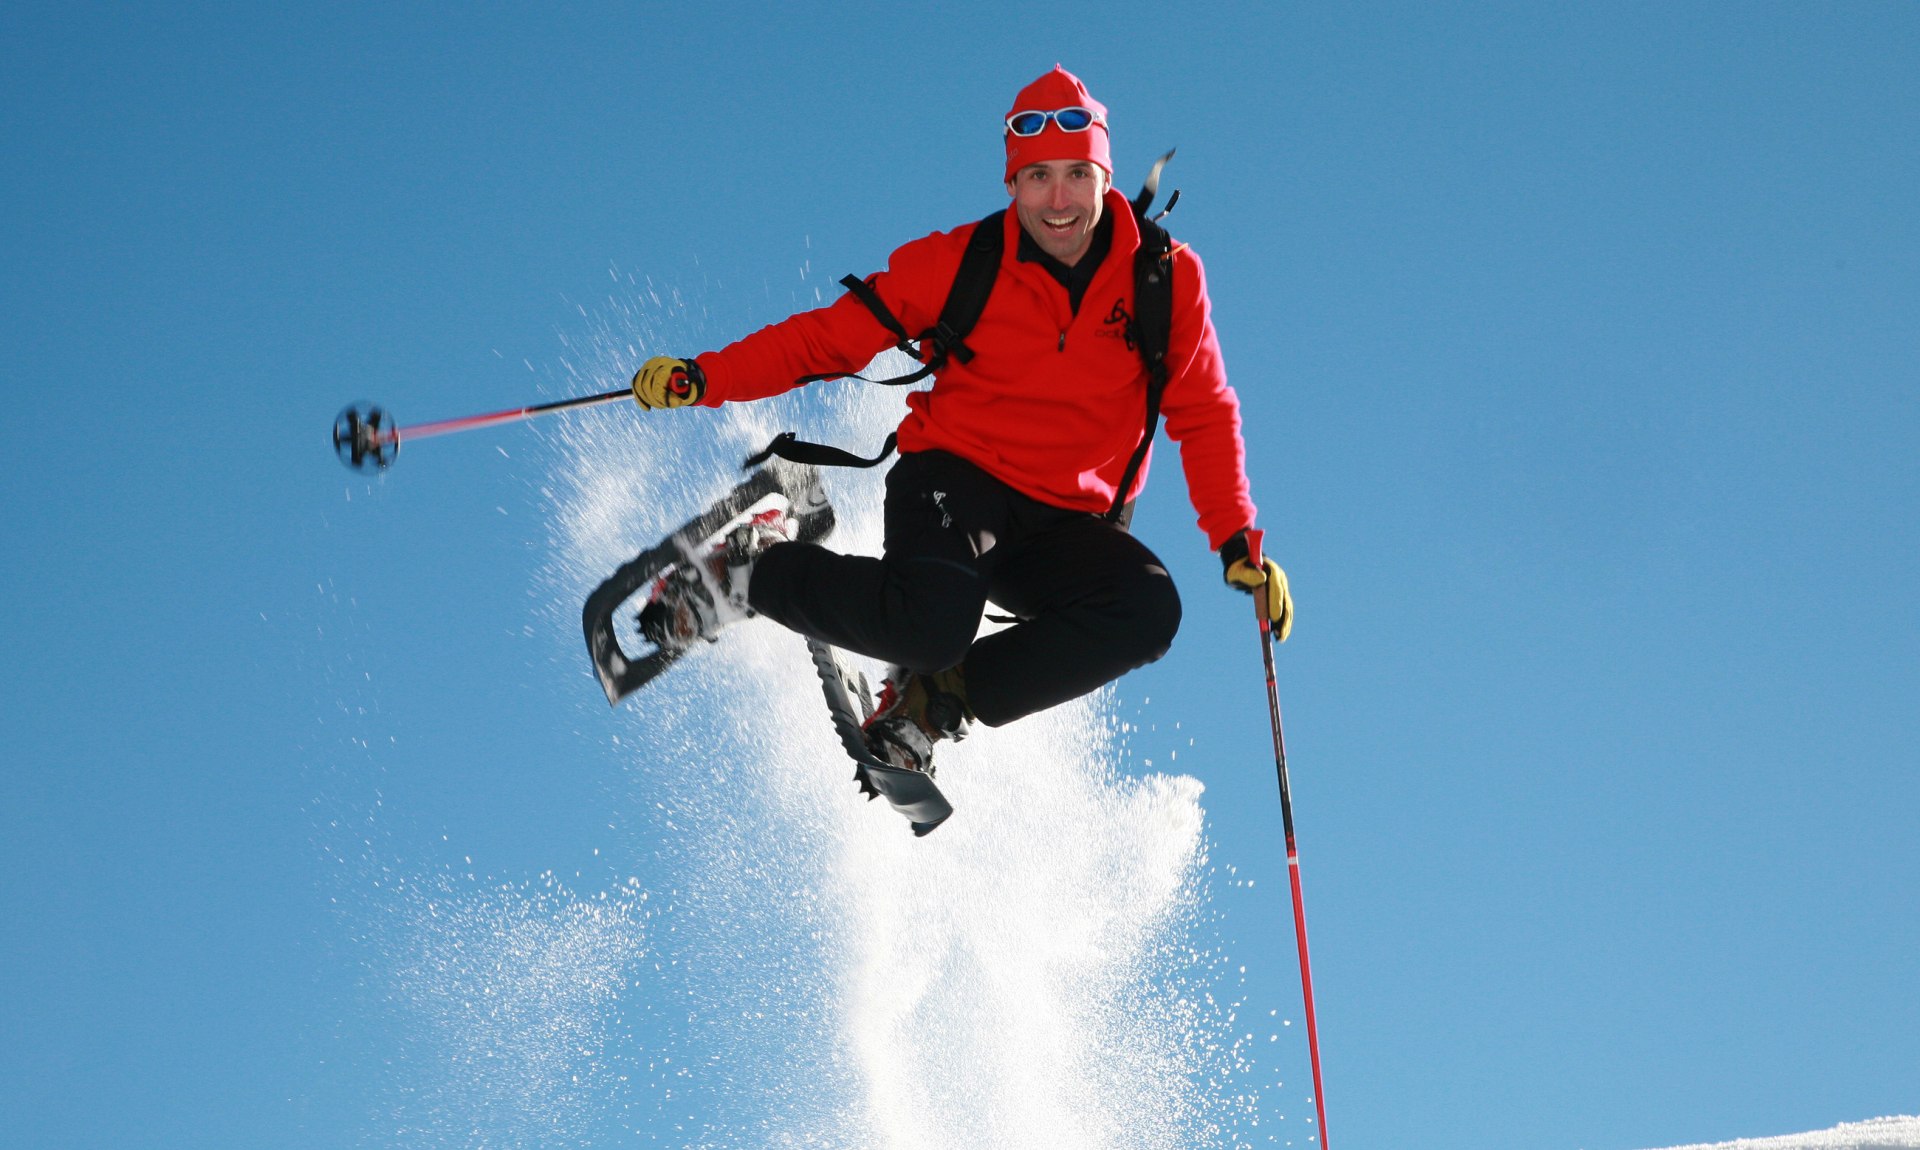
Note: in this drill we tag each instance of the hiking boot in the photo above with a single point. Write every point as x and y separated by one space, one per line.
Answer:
696 600
916 711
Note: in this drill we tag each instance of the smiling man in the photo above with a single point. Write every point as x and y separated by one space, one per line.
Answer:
1059 205
1018 467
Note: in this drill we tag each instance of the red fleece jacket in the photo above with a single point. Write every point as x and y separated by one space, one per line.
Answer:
1052 403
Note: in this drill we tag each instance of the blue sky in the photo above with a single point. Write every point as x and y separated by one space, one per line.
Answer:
1577 351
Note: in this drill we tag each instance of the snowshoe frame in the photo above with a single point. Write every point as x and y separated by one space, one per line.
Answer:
620 672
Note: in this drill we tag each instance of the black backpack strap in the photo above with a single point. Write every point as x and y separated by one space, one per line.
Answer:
966 300
972 284
1152 325
791 447
863 291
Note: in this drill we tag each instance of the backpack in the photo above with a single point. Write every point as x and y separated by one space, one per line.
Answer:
1149 331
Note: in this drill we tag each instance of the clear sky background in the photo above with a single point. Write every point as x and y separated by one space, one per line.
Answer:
1577 346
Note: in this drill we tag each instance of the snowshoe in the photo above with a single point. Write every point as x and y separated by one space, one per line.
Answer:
695 586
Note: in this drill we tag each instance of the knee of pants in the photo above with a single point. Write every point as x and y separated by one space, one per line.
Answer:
941 644
1155 616
942 604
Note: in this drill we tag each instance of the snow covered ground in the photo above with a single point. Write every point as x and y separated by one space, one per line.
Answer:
1899 1133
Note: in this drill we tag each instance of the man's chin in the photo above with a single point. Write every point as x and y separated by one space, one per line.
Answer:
1068 253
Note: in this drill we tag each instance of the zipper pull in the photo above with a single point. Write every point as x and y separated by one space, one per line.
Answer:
1063 341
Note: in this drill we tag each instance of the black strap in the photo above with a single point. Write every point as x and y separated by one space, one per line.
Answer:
791 447
966 300
863 291
972 284
1152 326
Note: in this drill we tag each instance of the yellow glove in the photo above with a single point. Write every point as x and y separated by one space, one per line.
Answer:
1244 575
665 381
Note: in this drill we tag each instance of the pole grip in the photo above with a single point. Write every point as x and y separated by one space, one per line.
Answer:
1258 562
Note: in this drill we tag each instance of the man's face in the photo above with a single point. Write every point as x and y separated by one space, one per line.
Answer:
1059 202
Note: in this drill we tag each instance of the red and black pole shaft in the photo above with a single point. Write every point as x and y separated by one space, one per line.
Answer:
1286 822
364 438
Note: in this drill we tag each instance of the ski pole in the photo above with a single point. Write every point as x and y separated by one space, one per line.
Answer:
1286 822
363 437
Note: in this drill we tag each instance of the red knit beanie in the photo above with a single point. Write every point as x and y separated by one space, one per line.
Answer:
1058 89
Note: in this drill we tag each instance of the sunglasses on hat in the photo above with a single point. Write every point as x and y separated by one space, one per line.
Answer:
1075 119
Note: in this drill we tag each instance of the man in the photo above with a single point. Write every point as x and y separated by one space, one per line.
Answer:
1010 464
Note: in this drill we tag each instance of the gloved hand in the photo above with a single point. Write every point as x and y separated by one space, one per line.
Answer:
665 381
1241 573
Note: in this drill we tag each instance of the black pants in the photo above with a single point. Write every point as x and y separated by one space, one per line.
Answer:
1093 602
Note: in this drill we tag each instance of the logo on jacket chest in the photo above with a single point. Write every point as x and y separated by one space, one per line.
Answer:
1118 324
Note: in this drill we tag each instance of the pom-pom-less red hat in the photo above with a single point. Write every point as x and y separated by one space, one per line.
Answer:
1058 89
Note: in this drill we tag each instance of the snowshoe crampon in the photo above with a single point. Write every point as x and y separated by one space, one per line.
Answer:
850 702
